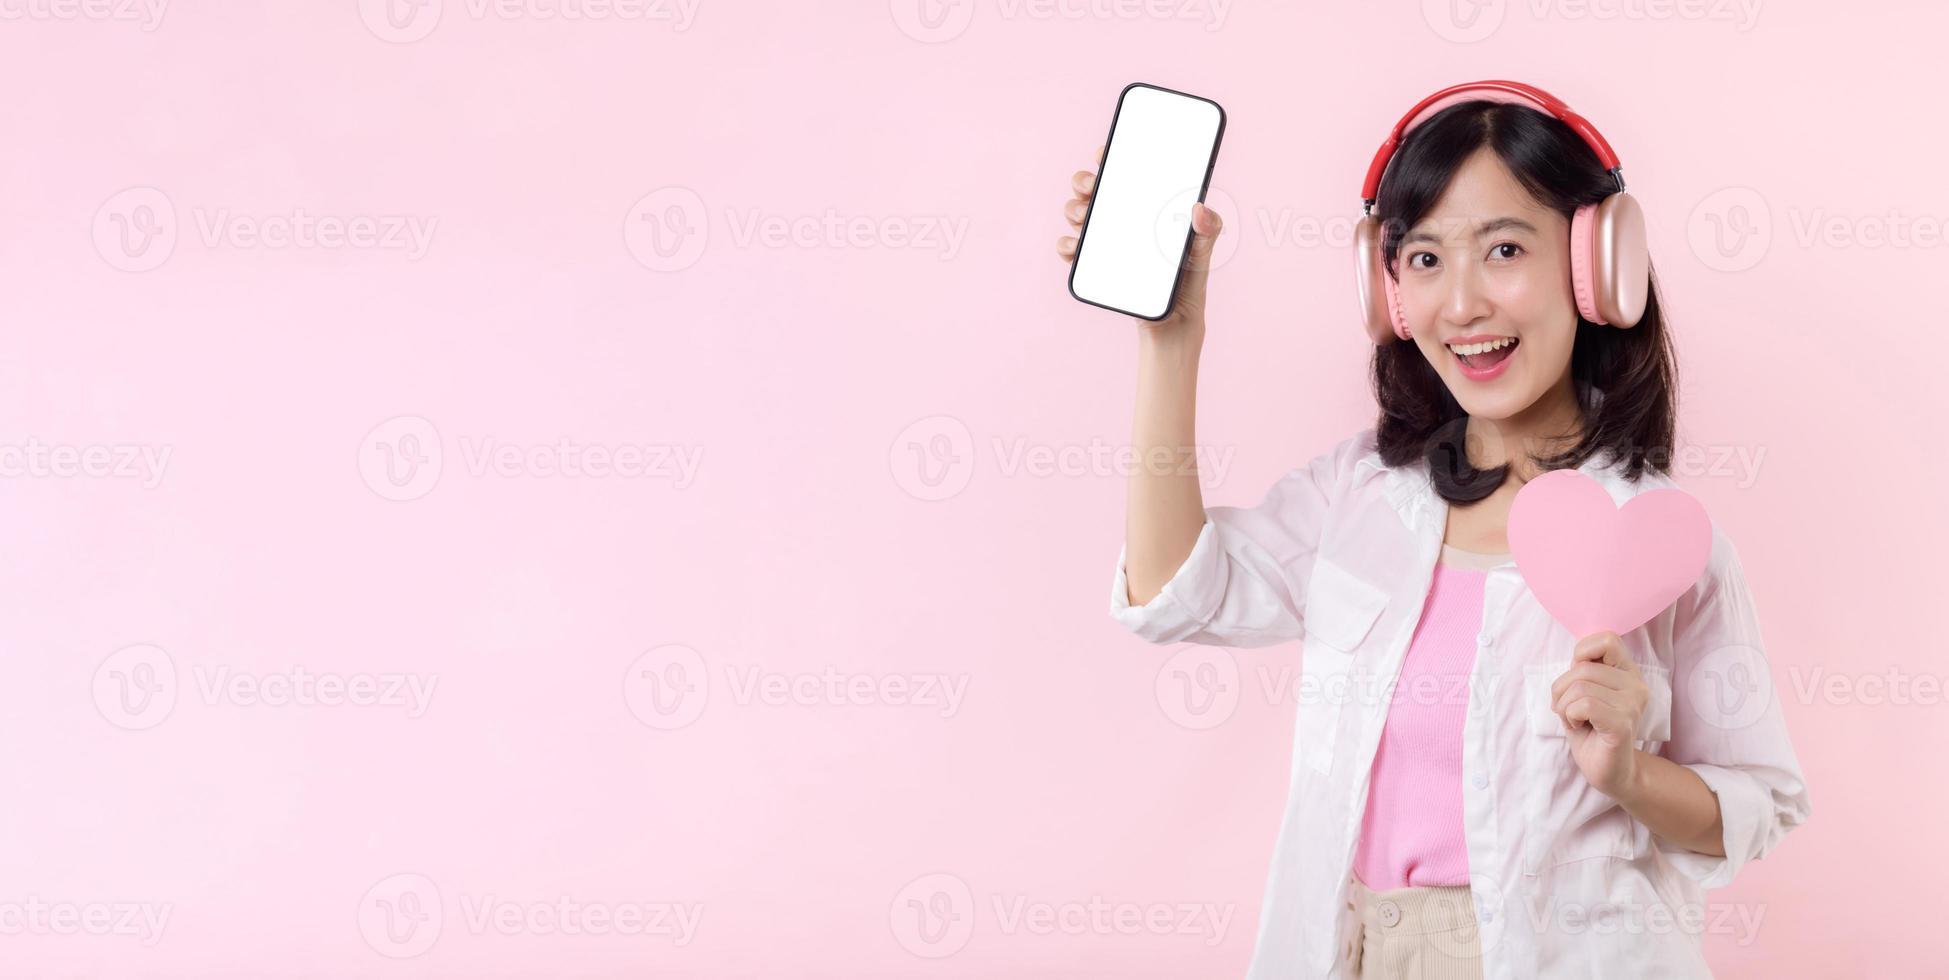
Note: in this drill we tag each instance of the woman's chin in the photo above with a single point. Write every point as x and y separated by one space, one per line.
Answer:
1492 406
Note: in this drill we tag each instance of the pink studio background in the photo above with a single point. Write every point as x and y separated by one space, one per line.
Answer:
823 385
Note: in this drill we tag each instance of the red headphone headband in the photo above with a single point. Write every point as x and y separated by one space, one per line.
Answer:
1493 91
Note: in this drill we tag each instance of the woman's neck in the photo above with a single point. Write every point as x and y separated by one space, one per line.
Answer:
1548 426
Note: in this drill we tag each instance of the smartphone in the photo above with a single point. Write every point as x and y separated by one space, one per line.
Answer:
1157 162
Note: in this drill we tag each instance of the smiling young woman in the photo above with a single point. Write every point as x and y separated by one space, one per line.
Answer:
1430 833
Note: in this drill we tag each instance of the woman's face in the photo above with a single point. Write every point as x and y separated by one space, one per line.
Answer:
1488 264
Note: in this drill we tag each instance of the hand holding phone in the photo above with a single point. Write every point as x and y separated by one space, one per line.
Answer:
1145 239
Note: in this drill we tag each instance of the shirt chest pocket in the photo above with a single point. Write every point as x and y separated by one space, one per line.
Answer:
1569 820
1655 725
1340 612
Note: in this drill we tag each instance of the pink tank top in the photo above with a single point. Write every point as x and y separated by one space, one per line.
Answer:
1411 834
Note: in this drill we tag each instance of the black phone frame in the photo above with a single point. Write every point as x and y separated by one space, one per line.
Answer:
1082 234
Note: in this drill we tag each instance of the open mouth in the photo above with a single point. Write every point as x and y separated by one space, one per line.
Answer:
1484 358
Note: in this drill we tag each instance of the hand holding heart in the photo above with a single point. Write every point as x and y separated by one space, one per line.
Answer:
1600 699
1603 571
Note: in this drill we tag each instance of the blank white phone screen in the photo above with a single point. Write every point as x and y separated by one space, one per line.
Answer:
1154 170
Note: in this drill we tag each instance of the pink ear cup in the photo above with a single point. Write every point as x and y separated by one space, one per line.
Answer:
1583 262
1394 314
1379 308
1620 261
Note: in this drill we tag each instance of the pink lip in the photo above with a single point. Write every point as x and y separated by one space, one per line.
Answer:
1489 374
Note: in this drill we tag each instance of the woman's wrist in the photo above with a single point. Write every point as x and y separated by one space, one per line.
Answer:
1172 342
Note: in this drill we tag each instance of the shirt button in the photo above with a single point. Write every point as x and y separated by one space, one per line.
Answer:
1481 780
1483 638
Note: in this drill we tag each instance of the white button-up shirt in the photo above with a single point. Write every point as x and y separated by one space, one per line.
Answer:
1566 883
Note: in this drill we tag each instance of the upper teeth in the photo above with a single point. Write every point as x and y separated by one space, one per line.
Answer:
1482 348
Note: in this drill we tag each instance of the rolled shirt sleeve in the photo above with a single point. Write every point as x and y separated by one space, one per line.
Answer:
1244 583
1728 724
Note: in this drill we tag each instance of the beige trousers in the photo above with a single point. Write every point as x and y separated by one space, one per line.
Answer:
1414 934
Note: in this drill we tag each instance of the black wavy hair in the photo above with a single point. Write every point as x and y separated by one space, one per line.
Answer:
1626 381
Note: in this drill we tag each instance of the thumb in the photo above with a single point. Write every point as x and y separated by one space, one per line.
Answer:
1205 227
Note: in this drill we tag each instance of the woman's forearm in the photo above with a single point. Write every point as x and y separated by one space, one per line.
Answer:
1165 507
1675 804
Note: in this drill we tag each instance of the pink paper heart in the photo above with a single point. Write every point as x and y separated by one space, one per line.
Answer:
1596 566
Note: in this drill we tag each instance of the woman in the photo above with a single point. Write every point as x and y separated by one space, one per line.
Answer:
1475 790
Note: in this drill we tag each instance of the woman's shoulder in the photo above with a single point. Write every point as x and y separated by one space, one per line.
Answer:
1350 464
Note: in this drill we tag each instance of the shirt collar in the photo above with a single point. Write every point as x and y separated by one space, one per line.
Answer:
1412 491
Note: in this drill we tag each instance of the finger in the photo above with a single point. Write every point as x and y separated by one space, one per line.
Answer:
1595 673
1066 247
1083 183
1205 226
1598 715
1584 691
1075 210
1099 156
1606 647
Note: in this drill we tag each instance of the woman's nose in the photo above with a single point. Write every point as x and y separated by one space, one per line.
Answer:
1467 302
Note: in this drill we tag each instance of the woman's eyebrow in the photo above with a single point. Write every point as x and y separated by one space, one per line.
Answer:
1482 230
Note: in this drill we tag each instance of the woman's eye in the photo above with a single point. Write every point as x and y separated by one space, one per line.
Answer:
1506 250
1416 261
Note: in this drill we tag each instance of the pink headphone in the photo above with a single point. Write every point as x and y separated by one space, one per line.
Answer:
1609 264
